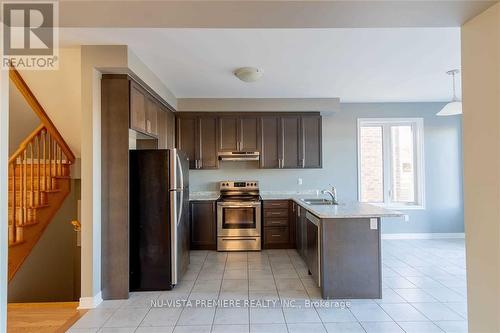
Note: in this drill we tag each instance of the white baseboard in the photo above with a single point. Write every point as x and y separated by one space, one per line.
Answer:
436 235
90 302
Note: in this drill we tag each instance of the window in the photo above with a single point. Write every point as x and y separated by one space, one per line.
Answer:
390 162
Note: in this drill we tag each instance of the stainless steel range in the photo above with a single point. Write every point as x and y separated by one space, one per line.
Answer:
239 216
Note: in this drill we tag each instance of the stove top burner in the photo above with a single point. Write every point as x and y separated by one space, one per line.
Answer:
239 198
239 190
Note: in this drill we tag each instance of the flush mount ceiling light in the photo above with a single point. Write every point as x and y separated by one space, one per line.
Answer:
248 74
455 106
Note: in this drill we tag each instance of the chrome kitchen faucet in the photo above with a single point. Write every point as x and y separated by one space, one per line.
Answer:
332 193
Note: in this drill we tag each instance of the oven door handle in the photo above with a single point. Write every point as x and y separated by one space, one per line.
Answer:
239 205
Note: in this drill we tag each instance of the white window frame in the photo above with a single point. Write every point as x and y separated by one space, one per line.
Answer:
418 144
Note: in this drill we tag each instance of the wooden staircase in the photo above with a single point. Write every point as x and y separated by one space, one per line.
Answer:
39 181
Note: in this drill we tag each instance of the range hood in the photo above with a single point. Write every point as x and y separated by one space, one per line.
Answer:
239 156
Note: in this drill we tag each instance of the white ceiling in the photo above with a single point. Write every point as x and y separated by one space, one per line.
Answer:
357 65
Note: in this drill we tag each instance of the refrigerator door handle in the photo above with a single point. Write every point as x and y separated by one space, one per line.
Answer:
173 238
181 177
180 208
179 166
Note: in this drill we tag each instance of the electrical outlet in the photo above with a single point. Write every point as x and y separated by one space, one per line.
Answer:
406 218
299 181
373 224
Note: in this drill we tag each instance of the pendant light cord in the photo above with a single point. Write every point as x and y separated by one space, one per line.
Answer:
454 93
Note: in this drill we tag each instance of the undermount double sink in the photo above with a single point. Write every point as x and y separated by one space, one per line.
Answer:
318 201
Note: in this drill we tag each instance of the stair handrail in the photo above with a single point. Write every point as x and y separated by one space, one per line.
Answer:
24 145
40 112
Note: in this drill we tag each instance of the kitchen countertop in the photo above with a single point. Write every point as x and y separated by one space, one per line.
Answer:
342 210
204 196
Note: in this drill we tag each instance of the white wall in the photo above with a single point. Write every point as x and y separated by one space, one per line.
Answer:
22 120
59 92
4 159
92 59
481 144
96 60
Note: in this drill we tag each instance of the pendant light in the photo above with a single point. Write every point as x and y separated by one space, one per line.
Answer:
455 106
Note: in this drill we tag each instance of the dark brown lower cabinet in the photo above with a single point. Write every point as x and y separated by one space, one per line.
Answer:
276 227
301 231
203 225
313 249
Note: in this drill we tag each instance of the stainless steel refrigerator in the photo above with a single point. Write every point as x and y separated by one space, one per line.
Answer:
159 218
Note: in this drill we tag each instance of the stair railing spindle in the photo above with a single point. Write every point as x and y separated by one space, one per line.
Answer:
38 197
58 162
13 224
24 190
44 140
50 162
32 179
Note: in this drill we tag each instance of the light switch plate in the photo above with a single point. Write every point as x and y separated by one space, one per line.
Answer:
299 181
373 224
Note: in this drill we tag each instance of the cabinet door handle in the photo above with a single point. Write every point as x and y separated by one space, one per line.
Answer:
200 164
275 213
275 222
275 235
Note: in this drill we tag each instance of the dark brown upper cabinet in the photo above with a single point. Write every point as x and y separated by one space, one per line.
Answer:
197 137
186 138
270 142
238 133
311 151
228 133
285 140
137 108
291 142
248 133
162 130
170 129
152 110
143 110
166 129
207 142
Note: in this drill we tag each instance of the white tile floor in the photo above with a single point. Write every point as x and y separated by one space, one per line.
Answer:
424 291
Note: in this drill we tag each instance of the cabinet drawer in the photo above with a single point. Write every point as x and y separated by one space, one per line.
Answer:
272 222
276 235
275 212
276 204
